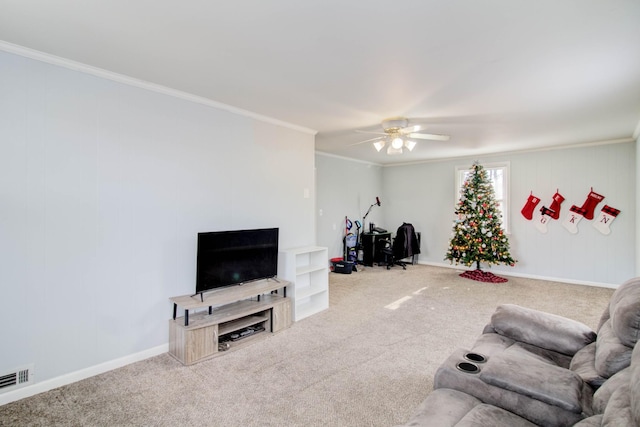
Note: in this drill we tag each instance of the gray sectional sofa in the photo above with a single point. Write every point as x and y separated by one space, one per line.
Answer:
530 368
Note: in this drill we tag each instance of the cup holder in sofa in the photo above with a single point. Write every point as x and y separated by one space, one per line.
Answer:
467 367
475 357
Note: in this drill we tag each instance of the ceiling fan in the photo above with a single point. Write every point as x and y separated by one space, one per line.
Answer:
397 135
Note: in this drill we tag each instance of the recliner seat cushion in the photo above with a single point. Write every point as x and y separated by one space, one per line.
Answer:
583 363
452 408
594 421
489 415
443 407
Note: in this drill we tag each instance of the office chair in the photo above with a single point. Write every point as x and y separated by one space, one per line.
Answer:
405 244
388 256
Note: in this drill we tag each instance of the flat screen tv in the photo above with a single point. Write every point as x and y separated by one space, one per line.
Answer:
228 258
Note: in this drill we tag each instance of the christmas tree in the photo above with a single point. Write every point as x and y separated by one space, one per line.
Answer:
477 233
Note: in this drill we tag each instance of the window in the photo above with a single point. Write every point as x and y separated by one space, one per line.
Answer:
499 176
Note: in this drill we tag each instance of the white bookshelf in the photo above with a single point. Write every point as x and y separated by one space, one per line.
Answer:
307 268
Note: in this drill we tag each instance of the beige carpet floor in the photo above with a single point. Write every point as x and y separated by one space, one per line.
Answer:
368 360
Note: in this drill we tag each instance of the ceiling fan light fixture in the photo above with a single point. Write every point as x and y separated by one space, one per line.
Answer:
398 135
392 150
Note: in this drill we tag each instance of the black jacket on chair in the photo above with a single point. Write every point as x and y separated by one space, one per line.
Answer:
406 243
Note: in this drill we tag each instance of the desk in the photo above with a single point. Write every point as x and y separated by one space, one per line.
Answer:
372 247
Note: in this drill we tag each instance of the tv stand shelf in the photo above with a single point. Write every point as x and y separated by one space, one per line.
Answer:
226 296
196 337
237 325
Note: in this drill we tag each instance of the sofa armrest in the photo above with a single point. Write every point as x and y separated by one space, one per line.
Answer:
550 384
545 330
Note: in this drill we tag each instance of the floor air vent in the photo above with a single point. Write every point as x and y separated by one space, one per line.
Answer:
17 378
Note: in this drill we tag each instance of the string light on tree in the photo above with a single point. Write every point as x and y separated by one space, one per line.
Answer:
477 234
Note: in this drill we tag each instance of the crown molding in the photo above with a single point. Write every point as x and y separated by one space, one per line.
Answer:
142 84
510 152
351 159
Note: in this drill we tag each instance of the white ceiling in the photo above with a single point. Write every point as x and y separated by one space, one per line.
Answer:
495 75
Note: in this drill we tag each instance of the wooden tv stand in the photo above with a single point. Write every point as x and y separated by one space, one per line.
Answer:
234 317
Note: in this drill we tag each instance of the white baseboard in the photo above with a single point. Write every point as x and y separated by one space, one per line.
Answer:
526 276
82 374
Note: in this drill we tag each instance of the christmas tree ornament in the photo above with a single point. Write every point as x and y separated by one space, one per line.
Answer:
605 218
478 228
590 204
529 206
543 218
573 218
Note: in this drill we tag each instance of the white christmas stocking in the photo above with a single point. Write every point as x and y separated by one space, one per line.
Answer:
604 220
543 218
573 218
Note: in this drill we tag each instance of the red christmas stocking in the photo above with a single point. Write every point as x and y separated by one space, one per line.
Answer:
555 205
527 210
589 205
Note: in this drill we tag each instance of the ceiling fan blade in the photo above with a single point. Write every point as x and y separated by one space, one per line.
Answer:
411 129
431 136
367 140
371 132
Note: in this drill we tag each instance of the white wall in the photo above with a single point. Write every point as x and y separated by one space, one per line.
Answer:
344 188
103 187
586 257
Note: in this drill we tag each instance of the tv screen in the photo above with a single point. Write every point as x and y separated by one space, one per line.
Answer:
228 258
